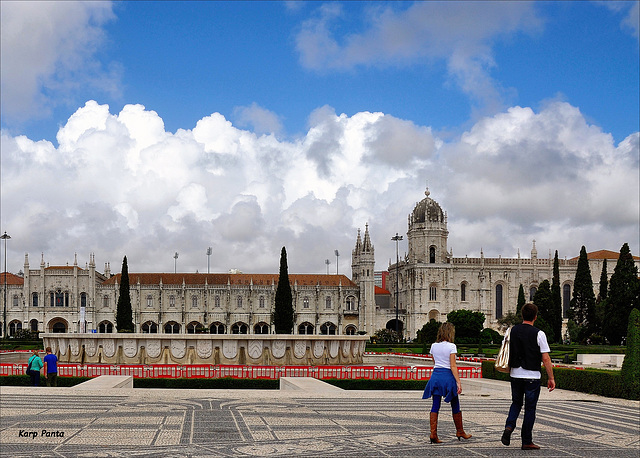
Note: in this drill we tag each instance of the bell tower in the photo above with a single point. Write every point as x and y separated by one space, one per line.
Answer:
362 265
427 235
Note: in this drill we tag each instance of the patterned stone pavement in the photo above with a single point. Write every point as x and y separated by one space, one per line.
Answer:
63 422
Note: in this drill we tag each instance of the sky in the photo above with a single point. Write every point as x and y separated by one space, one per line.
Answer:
148 128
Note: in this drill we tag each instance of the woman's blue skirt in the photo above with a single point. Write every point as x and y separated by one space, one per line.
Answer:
441 383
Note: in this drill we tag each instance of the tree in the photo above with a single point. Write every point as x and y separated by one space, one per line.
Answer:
521 302
283 314
508 320
556 299
601 300
624 295
429 332
582 309
124 314
544 301
630 371
468 325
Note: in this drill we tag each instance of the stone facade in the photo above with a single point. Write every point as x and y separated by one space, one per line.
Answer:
431 283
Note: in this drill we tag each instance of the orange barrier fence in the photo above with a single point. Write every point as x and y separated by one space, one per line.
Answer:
245 372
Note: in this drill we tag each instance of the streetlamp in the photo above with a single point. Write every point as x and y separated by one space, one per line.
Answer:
5 237
337 254
396 239
327 262
209 251
175 262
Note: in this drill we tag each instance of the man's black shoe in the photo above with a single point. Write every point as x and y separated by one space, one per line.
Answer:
506 436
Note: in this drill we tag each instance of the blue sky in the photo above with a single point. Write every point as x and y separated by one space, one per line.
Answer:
173 126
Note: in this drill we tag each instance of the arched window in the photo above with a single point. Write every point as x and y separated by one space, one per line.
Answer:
239 328
59 327
34 299
239 301
351 304
33 324
149 328
432 255
261 302
328 302
463 292
328 329
498 301
532 292
566 300
305 328
433 293
193 327
216 328
59 299
172 303
305 302
194 301
83 299
105 327
14 327
172 328
350 330
105 301
149 300
261 328
216 301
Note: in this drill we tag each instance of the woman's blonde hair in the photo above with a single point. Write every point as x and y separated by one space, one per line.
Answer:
447 331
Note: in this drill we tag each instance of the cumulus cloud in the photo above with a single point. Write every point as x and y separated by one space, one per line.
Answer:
424 32
261 120
120 184
49 47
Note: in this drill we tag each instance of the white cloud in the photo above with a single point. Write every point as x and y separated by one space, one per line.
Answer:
119 184
49 47
423 32
260 119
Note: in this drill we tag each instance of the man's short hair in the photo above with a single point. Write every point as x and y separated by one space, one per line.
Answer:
529 311
48 349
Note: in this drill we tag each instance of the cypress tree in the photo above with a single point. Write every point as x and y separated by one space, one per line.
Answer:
582 310
544 302
630 371
624 295
556 298
601 300
283 314
124 314
521 302
604 282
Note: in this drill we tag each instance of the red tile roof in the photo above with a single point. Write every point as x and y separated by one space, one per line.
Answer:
11 279
232 279
604 254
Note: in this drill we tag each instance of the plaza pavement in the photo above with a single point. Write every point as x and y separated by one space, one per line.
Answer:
313 423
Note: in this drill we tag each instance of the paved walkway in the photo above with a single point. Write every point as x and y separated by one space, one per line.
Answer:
64 422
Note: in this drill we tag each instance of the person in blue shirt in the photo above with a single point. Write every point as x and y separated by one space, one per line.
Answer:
33 368
51 368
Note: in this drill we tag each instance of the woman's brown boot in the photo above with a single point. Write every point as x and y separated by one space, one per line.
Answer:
457 420
433 421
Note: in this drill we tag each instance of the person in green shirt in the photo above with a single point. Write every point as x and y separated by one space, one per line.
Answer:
33 368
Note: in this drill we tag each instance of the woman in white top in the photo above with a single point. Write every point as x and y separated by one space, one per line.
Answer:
444 381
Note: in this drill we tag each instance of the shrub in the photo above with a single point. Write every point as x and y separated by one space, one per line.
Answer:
24 380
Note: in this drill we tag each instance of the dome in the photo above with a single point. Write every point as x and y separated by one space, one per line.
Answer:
427 210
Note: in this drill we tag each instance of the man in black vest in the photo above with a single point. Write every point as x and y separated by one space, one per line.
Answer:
528 348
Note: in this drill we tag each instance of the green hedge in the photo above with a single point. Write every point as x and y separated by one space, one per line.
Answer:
391 385
226 383
24 380
593 381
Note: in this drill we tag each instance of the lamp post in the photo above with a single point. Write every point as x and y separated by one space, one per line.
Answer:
175 262
327 262
396 239
209 251
5 237
337 254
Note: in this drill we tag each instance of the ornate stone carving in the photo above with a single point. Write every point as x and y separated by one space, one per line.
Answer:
318 348
75 346
63 347
90 347
255 348
278 347
333 348
109 347
153 348
204 348
299 348
130 347
346 348
229 348
178 348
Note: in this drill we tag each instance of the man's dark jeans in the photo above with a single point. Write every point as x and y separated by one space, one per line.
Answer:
529 391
